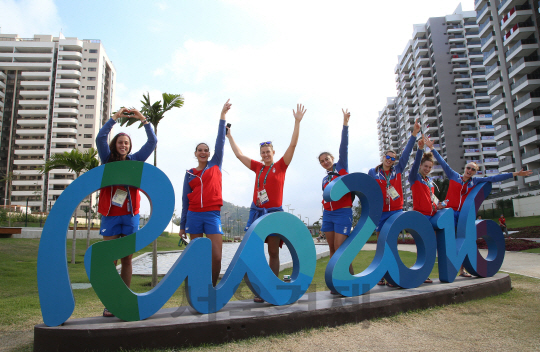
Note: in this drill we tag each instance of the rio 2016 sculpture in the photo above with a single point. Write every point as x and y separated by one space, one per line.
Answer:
194 265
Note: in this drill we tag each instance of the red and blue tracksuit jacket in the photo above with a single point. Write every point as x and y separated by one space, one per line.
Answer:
421 188
202 188
459 189
104 152
395 177
339 169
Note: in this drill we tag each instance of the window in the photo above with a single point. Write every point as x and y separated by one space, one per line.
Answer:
87 136
91 69
89 106
92 60
87 146
88 125
93 51
91 78
90 97
88 116
91 87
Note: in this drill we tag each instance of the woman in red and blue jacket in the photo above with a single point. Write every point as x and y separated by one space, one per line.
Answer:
201 196
461 185
119 205
422 186
337 215
388 177
269 183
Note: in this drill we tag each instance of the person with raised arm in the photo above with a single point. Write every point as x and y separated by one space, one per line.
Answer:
337 215
461 185
388 177
119 205
201 196
422 186
269 183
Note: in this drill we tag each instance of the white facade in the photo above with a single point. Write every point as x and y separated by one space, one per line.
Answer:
55 94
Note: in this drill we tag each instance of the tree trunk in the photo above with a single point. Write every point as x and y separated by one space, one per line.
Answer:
154 244
74 236
89 223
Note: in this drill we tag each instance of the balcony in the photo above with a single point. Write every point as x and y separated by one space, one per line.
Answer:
520 14
463 88
472 152
530 101
68 141
68 92
489 150
40 152
499 117
30 142
466 98
490 57
467 119
491 161
27 85
27 94
69 64
507 164
496 102
67 74
485 27
502 133
60 150
505 5
488 42
470 141
526 84
522 48
29 162
530 119
31 132
495 86
69 101
518 32
66 111
491 71
66 120
68 83
32 122
530 156
504 148
524 65
529 138
70 55
36 75
481 14
33 112
30 103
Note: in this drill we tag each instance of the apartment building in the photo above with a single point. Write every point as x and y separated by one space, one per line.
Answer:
509 38
55 94
440 80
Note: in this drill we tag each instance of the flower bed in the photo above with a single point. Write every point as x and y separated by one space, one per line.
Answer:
512 244
526 232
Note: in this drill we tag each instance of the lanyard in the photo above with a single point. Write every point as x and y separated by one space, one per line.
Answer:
387 178
260 173
332 173
429 184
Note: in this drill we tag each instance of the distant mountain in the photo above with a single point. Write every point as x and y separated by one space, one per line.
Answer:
230 214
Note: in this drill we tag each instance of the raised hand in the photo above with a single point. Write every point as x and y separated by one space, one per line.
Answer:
346 117
421 143
120 113
428 142
523 173
416 128
299 113
226 108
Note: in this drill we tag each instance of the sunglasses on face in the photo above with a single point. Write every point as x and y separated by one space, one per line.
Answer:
470 168
265 143
390 157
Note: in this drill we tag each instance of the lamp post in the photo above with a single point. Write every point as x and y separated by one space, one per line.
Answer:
292 211
307 221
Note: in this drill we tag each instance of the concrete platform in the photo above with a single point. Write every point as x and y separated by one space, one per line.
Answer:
182 327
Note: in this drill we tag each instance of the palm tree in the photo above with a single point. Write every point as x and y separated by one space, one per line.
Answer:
154 113
77 162
441 188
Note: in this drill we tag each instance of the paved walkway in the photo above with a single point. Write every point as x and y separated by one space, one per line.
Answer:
521 263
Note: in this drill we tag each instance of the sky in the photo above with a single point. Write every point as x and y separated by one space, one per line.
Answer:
265 57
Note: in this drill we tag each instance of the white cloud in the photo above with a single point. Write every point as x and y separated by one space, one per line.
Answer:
29 17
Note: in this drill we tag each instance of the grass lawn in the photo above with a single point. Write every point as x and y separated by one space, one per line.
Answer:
19 302
512 222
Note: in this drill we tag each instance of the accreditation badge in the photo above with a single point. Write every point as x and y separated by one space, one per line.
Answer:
262 197
119 197
392 193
